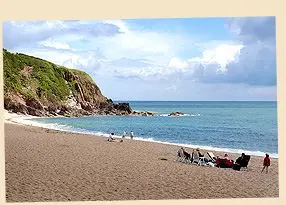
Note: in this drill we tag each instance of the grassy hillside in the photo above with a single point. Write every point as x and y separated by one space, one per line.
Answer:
36 78
30 78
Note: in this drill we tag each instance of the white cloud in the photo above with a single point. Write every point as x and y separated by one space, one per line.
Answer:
120 24
55 44
88 62
177 63
219 56
222 55
250 60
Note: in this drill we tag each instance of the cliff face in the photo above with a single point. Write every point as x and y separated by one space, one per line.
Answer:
38 87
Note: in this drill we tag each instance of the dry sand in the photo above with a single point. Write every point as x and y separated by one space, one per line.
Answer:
48 165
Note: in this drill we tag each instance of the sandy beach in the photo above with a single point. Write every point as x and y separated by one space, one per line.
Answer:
49 165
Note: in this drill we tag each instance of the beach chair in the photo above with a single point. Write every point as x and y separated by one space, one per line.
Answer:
244 162
181 157
197 159
200 161
212 157
187 157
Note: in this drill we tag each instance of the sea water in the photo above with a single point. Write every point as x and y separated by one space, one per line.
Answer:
249 127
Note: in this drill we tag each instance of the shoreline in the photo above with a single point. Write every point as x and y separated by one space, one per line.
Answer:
14 118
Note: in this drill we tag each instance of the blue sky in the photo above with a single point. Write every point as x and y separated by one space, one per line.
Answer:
160 59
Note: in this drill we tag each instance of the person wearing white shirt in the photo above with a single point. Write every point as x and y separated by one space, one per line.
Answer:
131 135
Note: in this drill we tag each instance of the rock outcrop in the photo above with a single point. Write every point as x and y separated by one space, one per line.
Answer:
176 114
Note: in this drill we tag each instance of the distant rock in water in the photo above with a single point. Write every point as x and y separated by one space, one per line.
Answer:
143 113
125 107
176 114
37 87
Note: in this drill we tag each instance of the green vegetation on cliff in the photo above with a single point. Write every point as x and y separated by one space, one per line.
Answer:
27 78
36 78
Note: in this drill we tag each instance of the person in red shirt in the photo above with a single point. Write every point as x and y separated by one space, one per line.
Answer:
266 163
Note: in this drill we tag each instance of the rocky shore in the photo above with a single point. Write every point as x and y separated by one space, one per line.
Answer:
35 108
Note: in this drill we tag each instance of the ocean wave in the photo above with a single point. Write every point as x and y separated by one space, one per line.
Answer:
67 128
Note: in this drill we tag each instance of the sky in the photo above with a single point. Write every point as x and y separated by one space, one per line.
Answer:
191 59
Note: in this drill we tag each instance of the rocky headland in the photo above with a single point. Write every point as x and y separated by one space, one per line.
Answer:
34 86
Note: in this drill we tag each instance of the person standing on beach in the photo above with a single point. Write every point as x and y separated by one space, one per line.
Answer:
266 163
131 135
124 135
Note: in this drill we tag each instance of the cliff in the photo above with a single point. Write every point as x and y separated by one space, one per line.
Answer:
37 87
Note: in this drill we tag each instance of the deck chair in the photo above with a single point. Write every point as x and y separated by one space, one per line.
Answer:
245 161
196 158
212 157
182 157
188 157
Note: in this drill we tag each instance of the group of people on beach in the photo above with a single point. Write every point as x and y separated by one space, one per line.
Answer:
223 162
189 156
112 138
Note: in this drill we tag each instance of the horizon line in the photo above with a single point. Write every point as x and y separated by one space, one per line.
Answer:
200 100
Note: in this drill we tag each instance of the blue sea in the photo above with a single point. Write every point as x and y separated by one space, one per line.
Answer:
235 126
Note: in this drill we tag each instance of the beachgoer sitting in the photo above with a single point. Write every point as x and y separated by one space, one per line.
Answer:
240 159
183 154
224 162
198 157
226 156
192 156
111 138
229 162
239 162
186 154
200 154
